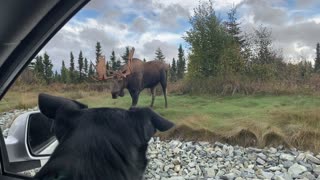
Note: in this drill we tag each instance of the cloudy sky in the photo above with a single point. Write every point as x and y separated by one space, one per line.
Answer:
149 24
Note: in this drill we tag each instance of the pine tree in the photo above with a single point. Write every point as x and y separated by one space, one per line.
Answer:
317 60
85 68
80 66
173 71
107 65
118 64
56 76
233 27
47 66
159 55
125 55
71 68
64 73
144 60
91 70
181 63
98 51
38 67
113 60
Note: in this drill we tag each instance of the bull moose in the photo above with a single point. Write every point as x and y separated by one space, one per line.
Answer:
136 75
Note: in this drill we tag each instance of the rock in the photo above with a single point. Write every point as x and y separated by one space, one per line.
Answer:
262 156
220 173
239 178
308 175
300 157
175 178
279 178
236 172
218 144
260 161
286 157
296 170
313 159
287 164
316 170
177 168
275 168
272 150
229 176
192 164
210 172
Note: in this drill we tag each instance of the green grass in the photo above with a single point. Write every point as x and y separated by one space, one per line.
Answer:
221 113
292 119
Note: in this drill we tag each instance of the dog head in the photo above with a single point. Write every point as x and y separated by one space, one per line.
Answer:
98 143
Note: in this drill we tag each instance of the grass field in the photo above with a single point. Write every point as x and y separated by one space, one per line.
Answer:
293 121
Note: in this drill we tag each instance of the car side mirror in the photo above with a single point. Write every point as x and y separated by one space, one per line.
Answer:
30 141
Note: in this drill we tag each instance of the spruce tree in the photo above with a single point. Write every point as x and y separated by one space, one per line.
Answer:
173 70
317 60
98 51
85 68
181 63
233 27
56 76
38 67
91 70
71 68
64 73
159 55
125 55
113 60
144 60
47 65
118 64
80 66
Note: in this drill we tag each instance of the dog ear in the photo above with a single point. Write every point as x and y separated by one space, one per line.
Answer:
151 121
49 105
63 111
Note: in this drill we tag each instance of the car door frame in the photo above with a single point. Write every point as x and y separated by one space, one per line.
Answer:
22 55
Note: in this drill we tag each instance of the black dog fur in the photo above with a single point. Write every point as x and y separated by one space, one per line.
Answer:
98 143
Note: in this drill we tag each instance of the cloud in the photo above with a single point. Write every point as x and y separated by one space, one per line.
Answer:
264 12
150 24
139 25
293 30
306 3
150 47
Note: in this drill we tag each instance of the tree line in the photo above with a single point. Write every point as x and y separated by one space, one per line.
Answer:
82 70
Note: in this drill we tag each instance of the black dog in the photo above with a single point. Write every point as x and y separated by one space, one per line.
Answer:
98 143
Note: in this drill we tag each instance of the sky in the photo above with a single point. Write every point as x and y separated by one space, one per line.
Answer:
151 24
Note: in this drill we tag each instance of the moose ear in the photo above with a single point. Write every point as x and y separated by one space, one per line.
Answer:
49 105
151 121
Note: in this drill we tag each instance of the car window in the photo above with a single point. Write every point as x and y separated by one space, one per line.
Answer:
240 79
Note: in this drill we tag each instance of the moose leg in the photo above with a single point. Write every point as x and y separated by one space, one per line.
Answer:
135 97
164 90
153 95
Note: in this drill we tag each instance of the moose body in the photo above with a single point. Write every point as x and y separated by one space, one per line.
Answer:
142 75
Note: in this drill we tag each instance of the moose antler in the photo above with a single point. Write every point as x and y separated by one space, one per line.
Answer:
102 70
128 70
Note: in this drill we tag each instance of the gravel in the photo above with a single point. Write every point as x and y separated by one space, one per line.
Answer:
178 160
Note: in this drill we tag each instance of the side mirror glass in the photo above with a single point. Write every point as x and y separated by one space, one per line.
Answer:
40 135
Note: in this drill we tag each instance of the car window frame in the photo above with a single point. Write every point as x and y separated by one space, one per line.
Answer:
23 54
